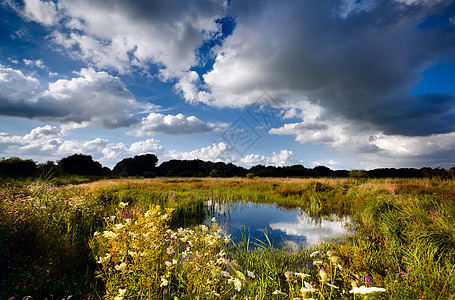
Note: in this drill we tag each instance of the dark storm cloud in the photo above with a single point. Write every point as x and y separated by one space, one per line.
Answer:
357 63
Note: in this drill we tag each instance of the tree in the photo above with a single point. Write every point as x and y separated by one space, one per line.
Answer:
81 164
16 167
140 165
358 174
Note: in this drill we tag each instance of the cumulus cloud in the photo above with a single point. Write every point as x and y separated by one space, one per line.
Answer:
121 34
282 158
215 152
358 66
53 143
90 98
170 124
16 88
369 145
41 141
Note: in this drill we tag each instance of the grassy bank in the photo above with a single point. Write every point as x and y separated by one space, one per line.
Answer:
54 240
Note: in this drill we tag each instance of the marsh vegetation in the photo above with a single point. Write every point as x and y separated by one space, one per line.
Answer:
150 239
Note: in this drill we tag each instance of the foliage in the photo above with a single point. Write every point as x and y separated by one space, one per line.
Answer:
44 233
15 167
358 174
140 165
80 164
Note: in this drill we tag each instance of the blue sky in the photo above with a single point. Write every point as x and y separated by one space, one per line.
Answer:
346 84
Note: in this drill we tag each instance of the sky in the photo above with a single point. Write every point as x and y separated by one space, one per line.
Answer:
348 84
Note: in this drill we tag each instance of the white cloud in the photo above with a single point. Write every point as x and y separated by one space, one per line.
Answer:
16 87
283 158
373 147
313 231
215 152
90 98
147 146
119 34
36 63
170 124
43 12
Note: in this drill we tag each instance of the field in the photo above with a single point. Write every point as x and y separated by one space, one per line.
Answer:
145 239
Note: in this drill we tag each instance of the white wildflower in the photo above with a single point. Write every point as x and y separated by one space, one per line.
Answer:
303 275
241 275
118 227
237 284
121 293
308 288
123 204
164 282
334 259
323 275
102 260
314 253
121 267
168 263
109 234
251 274
331 285
317 262
366 290
277 292
213 220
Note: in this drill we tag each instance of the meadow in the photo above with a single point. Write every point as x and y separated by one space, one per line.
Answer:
146 239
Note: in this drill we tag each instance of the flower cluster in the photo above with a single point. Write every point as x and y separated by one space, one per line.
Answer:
140 256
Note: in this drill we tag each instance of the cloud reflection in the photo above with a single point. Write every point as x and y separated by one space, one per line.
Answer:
311 230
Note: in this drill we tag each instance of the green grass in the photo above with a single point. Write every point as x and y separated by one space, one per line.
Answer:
404 241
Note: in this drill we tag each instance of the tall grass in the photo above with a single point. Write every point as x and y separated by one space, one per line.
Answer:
404 240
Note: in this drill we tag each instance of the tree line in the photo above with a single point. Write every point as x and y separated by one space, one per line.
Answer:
146 166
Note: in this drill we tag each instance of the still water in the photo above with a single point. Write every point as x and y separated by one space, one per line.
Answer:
283 226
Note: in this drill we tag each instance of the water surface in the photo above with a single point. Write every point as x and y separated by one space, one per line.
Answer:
284 226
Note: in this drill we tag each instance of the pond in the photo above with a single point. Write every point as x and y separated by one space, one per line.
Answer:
283 226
